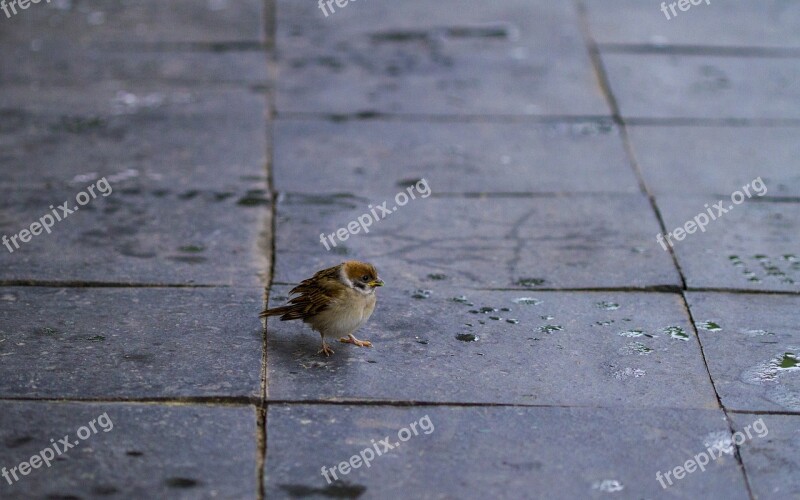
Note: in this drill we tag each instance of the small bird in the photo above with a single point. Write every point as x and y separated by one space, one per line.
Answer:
336 302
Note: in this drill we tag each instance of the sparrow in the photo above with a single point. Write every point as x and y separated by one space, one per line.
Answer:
335 302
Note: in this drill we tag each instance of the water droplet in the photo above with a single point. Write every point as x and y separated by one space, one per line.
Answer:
757 333
633 334
485 310
531 282
608 485
789 360
719 440
604 323
505 309
467 337
421 294
528 301
635 348
628 373
608 306
547 317
676 332
512 321
462 299
550 328
496 318
709 326
437 276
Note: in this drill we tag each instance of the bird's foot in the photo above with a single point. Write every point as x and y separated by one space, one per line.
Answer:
327 351
352 340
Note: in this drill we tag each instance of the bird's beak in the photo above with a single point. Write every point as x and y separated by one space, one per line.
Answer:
377 282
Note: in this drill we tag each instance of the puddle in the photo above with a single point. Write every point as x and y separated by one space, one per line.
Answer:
768 372
531 282
635 333
467 337
757 333
719 440
550 328
462 299
608 485
528 301
421 294
608 306
709 326
628 373
635 348
676 332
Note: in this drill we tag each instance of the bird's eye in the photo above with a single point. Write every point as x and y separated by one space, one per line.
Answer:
365 278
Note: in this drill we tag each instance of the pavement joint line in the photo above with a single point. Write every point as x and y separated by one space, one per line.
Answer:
257 404
543 119
643 121
104 284
270 35
219 47
605 87
669 289
699 50
765 412
716 393
440 118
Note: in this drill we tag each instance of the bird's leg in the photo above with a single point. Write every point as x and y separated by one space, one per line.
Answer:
352 340
327 351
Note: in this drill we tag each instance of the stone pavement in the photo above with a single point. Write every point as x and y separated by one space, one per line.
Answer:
534 339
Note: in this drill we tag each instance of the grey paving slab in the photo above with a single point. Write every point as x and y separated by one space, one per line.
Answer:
130 342
89 22
164 137
718 160
148 451
672 86
734 23
751 344
771 457
372 156
494 453
750 246
416 57
548 348
519 242
53 63
134 235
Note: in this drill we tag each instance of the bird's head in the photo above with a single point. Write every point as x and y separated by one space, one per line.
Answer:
361 276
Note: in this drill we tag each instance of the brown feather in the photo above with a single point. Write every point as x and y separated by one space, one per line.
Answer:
314 295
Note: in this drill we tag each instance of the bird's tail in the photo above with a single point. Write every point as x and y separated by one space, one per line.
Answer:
266 313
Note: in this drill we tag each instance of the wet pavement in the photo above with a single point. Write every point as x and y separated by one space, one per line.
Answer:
534 339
